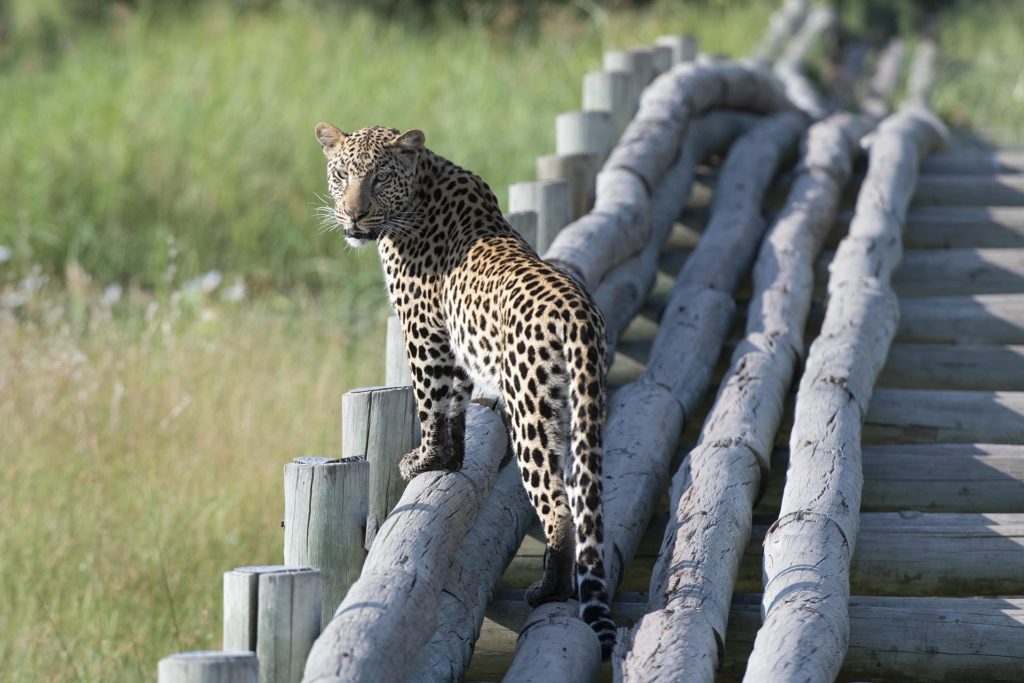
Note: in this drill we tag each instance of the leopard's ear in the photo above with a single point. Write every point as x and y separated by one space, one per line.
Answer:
409 141
329 137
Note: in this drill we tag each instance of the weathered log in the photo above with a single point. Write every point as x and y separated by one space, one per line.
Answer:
325 525
790 68
885 79
550 200
638 65
493 541
393 606
920 639
209 667
609 91
807 551
782 25
960 366
929 477
684 47
396 361
970 190
584 132
980 319
963 163
580 171
619 226
535 661
645 418
379 425
921 78
946 272
715 490
932 227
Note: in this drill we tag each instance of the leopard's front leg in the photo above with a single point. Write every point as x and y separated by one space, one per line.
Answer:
435 378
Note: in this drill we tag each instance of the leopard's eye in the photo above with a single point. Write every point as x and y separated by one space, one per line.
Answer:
340 175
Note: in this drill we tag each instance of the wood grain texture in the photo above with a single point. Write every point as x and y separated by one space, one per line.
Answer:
808 550
550 200
714 491
209 667
799 88
396 361
287 622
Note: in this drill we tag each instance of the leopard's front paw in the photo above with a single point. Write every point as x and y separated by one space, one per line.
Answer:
421 460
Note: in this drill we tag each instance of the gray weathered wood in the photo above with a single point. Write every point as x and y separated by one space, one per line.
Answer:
325 510
379 425
948 189
790 68
240 609
580 171
609 91
898 639
980 319
638 65
585 132
714 492
885 79
550 200
393 605
977 367
208 667
287 622
396 361
575 659
962 163
930 416
782 25
921 78
645 417
808 550
525 223
684 47
949 227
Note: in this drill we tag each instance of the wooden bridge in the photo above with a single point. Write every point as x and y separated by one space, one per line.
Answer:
740 231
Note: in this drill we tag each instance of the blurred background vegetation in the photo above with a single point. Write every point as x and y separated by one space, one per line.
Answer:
146 410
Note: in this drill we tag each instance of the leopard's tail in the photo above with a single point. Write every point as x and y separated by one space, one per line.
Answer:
587 370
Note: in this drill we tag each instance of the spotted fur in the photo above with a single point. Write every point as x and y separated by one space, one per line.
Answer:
479 308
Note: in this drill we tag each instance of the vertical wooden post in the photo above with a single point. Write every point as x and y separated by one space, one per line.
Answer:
581 132
550 199
325 508
684 48
638 63
275 611
208 667
380 425
662 58
609 91
396 362
525 223
580 171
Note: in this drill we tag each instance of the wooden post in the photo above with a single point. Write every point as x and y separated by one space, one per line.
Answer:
396 361
535 661
550 200
584 132
782 24
885 79
325 509
638 65
209 667
525 223
274 611
684 47
379 425
661 58
608 91
580 171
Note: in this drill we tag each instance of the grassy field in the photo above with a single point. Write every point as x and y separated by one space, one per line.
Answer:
142 443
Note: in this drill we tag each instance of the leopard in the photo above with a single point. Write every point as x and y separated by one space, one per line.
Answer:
481 310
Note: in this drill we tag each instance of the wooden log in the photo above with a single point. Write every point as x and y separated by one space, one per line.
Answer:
379 425
662 58
396 362
550 200
535 661
885 79
714 492
920 639
980 319
645 418
808 550
929 477
945 272
325 512
523 222
970 190
584 132
209 667
580 171
790 68
956 227
684 47
393 606
782 25
962 366
963 163
609 91
287 622
921 78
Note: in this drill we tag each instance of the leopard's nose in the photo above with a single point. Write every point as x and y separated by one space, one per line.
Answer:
356 213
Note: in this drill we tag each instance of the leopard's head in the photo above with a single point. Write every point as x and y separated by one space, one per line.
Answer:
371 174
